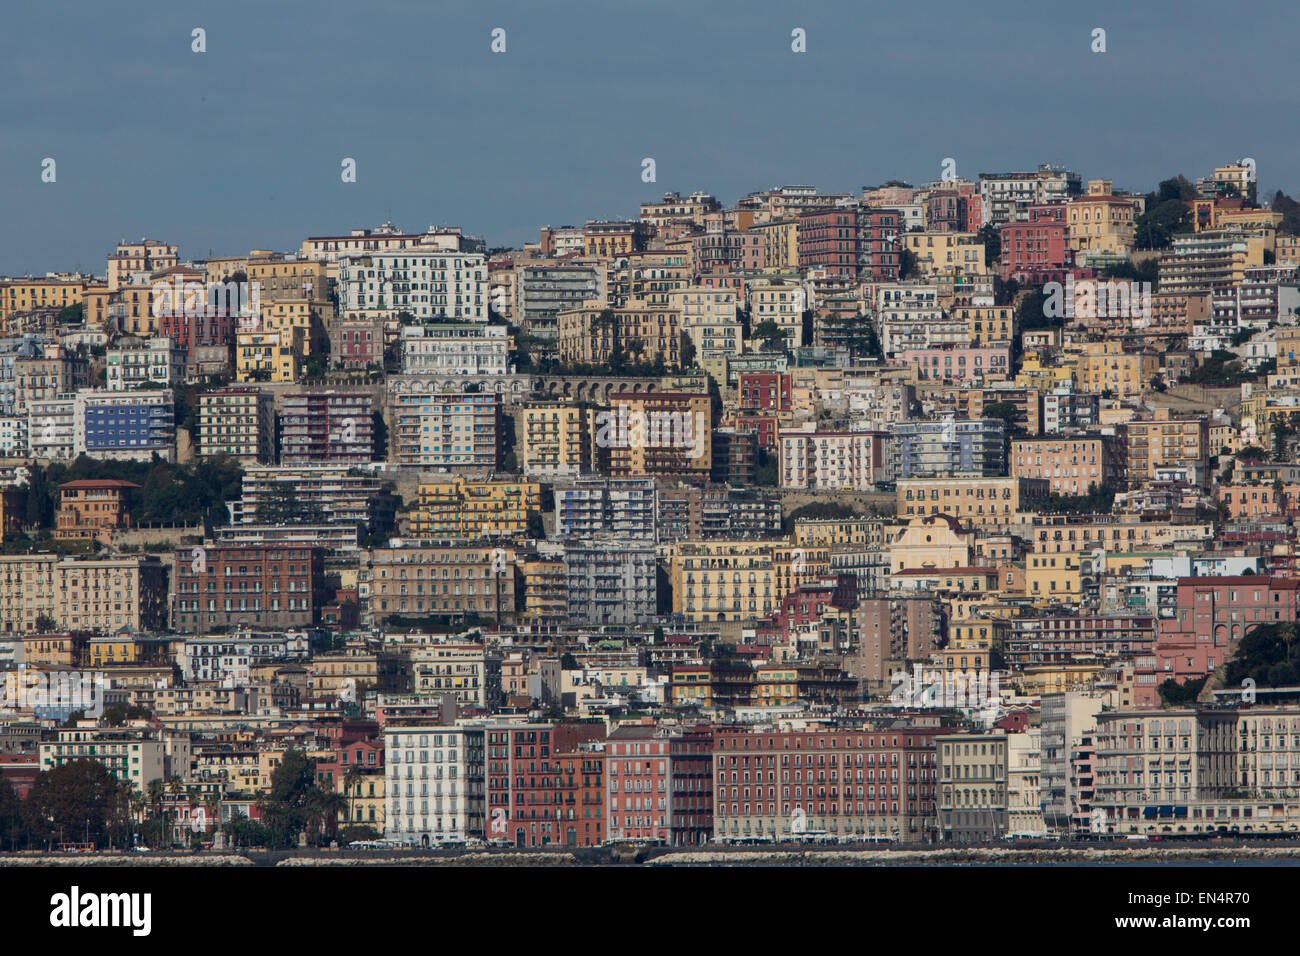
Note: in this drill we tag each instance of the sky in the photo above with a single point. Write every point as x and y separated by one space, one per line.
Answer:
240 147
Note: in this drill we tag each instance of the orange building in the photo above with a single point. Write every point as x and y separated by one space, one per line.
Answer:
90 506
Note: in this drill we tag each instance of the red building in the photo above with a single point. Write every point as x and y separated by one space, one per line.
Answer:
261 585
637 771
528 783
810 600
725 251
954 207
1034 252
580 785
764 391
1212 615
866 782
851 243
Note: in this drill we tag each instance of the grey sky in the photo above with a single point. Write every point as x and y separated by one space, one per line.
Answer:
240 147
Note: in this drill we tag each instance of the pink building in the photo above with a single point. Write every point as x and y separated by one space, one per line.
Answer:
1071 464
1213 614
957 363
1035 251
637 768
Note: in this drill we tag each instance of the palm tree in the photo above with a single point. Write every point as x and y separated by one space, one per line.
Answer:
351 783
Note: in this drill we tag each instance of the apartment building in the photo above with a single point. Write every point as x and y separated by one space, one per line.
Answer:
1166 442
709 318
306 493
125 426
610 581
1072 465
460 508
424 283
544 290
435 429
327 427
870 782
134 757
434 783
836 460
238 421
90 506
97 594
981 502
593 333
455 348
450 579
972 792
949 447
264 585
661 433
555 439
599 506
157 361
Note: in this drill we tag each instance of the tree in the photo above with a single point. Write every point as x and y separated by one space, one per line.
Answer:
12 829
771 335
1174 694
283 506
78 800
1031 313
686 351
1007 411
295 803
991 236
1290 210
1156 227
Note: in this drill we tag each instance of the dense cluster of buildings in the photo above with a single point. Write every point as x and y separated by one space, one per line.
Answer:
892 516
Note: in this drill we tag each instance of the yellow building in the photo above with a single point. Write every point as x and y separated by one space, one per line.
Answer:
775 685
23 295
827 532
295 316
988 324
134 258
1045 378
462 508
978 633
947 253
1100 223
1052 577
982 502
545 589
556 439
780 243
781 301
668 434
1166 442
262 356
933 541
638 331
1106 367
738 580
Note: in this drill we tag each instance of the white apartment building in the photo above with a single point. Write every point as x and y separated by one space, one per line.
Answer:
840 461
156 360
708 316
434 783
51 427
427 284
464 348
779 301
1024 755
457 669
